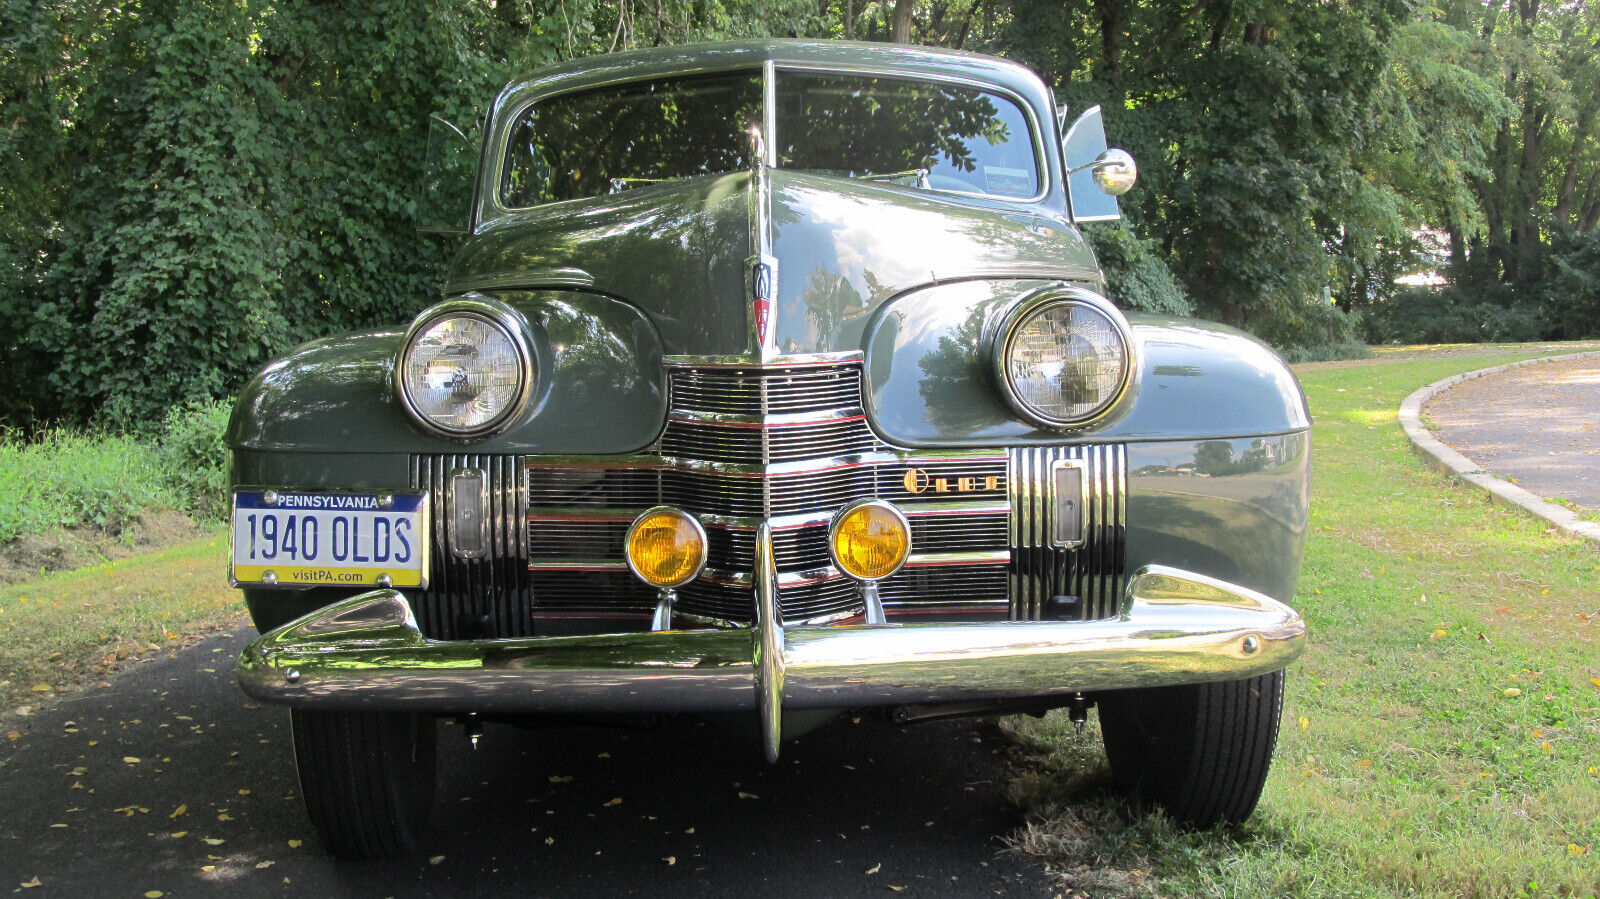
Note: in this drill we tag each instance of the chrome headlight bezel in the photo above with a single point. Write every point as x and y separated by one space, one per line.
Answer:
504 319
1037 304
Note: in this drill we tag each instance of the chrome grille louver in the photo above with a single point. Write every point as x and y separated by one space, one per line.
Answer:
1051 582
486 597
787 444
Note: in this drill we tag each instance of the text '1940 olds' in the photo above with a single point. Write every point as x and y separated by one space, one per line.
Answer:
774 378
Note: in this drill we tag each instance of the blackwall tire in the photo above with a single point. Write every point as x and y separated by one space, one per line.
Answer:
367 779
1201 751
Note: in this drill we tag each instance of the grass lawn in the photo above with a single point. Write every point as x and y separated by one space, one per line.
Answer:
1441 736
78 626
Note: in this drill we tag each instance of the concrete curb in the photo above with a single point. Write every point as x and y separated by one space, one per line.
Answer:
1454 465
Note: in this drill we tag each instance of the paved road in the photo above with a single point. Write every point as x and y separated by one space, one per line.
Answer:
1538 424
119 791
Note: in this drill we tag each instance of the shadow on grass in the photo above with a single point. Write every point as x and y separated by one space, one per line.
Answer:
1098 842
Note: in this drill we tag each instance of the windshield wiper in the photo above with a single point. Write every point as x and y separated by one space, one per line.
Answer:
618 185
919 178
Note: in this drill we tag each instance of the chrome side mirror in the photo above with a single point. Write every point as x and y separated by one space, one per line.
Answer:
1096 176
1114 172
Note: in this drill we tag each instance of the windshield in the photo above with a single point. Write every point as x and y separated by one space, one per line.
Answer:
940 136
929 135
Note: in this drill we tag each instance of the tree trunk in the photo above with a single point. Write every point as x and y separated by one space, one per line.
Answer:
1563 213
902 21
1112 21
1589 210
1219 28
1458 251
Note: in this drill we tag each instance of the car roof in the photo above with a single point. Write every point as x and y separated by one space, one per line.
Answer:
686 59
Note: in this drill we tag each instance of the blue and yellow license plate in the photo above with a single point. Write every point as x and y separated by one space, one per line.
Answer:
333 539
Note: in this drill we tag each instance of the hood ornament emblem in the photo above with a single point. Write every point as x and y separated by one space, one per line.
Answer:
761 297
761 264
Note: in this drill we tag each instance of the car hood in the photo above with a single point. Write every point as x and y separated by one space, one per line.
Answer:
681 253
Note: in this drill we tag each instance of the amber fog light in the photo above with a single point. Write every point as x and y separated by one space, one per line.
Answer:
869 540
666 547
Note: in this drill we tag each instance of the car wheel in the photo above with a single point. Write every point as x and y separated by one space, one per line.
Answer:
367 779
1201 751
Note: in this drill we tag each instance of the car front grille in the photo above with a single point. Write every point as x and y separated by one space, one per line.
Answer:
787 444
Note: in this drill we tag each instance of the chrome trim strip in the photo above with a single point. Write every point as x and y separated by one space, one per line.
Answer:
579 515
767 422
937 560
536 564
769 639
769 110
741 470
797 360
1176 627
620 515
954 507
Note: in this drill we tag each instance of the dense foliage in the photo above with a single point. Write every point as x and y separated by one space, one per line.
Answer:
188 187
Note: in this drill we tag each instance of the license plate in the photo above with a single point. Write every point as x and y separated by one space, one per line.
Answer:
330 538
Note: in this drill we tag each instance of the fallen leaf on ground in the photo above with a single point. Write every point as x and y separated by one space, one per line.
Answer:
670 860
875 868
131 759
294 844
435 859
616 801
32 883
744 795
213 841
178 811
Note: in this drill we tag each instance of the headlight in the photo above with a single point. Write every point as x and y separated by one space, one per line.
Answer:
1065 358
465 367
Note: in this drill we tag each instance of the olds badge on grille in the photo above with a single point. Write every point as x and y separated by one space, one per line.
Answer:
917 480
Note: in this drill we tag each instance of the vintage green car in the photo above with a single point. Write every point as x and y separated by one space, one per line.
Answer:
773 380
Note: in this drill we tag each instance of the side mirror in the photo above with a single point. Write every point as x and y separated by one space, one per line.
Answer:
1096 176
444 205
1114 172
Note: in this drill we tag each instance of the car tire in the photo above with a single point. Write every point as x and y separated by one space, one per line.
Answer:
367 779
1200 751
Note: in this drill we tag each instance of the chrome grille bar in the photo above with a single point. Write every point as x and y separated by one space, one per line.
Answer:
1043 573
483 597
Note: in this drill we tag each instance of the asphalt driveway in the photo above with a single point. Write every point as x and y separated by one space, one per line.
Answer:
1537 424
171 780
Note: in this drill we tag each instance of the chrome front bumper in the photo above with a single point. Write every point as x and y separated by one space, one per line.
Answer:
1175 627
